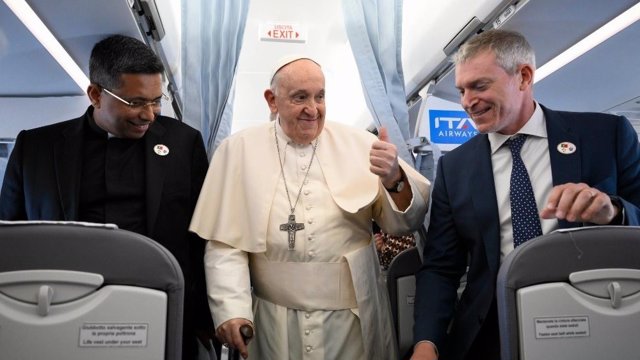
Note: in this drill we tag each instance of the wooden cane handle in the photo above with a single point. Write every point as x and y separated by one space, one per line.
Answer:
247 332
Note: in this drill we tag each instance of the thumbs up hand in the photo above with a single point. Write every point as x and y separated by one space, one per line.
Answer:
384 159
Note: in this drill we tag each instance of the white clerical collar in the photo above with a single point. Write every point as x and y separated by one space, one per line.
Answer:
280 132
535 126
286 139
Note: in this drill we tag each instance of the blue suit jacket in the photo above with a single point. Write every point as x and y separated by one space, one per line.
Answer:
464 227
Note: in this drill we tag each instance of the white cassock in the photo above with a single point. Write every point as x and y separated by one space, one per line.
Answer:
325 299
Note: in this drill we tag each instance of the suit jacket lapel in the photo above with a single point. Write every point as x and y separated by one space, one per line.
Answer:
564 167
483 195
156 167
67 155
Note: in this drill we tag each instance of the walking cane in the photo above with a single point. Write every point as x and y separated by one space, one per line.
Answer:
229 353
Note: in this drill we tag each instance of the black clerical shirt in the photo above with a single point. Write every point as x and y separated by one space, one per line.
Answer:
113 180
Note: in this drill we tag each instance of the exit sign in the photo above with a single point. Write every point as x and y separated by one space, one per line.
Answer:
283 32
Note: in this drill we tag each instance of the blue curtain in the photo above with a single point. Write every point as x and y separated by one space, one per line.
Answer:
212 32
374 29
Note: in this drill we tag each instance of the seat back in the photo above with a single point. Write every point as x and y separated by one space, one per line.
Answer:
73 291
401 283
571 294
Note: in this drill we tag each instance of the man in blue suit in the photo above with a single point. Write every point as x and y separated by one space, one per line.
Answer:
583 168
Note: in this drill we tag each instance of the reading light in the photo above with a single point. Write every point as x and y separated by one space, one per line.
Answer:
609 29
29 18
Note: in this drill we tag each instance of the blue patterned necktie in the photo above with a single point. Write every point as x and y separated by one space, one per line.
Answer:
524 212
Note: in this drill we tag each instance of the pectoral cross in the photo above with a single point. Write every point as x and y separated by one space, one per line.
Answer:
291 227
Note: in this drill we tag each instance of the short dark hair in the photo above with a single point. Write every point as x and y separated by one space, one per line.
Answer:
117 55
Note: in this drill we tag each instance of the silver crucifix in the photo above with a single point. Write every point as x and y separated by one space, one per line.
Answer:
291 227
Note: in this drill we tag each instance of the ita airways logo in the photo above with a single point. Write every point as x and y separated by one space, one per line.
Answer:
451 126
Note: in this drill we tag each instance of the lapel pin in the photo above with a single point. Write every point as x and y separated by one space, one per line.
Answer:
566 148
161 149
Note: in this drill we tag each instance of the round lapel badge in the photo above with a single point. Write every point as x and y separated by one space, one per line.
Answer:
566 148
161 149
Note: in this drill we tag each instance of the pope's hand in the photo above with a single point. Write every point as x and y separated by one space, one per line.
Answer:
229 334
384 159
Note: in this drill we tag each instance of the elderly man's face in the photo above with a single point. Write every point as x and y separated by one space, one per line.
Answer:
299 100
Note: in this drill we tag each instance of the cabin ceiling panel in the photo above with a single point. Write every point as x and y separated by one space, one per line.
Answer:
29 70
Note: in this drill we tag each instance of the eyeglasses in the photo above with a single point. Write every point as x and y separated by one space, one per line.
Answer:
139 104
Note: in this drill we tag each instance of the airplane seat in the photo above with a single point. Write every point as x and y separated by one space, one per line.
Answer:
571 294
87 291
401 284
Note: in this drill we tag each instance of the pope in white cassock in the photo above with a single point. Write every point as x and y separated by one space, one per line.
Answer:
287 207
